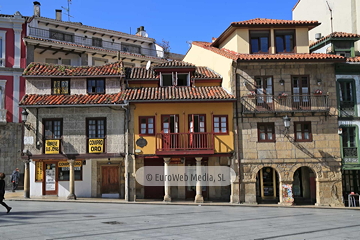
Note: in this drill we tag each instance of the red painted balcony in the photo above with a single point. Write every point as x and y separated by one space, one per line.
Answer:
184 143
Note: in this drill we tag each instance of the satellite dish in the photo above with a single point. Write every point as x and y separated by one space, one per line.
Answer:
148 64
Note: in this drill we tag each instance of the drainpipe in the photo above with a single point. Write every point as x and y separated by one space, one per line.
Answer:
126 148
237 128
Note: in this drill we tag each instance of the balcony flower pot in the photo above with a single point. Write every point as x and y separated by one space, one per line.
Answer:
251 94
283 95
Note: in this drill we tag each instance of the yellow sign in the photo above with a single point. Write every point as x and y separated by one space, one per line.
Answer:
39 171
66 164
96 145
52 146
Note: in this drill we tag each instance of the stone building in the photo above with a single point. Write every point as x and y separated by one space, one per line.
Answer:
286 114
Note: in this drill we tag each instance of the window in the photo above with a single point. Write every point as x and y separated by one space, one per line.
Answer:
284 41
343 48
349 148
52 136
220 124
96 133
2 97
97 42
259 41
303 132
66 61
54 34
266 132
147 125
60 86
347 98
264 91
95 86
130 48
98 61
174 79
2 48
301 92
52 60
64 170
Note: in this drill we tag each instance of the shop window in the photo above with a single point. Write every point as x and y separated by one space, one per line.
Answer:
220 124
303 132
60 86
284 41
96 134
266 132
259 41
95 86
147 125
64 170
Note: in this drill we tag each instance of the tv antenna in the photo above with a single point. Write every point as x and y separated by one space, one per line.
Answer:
67 10
331 17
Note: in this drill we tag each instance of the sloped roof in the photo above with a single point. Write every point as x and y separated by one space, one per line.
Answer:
213 93
267 21
47 70
268 57
172 64
353 59
336 35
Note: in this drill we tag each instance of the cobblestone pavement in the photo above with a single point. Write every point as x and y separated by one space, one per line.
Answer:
80 220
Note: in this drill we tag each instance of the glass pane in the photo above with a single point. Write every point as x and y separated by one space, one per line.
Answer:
298 135
223 130
270 136
143 125
223 125
306 135
223 119
150 120
216 125
279 44
143 120
216 129
150 131
264 44
254 45
143 131
262 136
216 119
151 125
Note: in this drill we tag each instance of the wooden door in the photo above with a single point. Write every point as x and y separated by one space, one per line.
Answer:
170 126
301 92
154 192
110 179
264 93
50 183
197 128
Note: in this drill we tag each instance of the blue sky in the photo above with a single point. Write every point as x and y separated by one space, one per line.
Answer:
175 21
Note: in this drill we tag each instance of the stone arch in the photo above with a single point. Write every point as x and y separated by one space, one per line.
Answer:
315 169
259 167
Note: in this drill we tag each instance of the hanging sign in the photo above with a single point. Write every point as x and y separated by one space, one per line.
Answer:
52 146
96 145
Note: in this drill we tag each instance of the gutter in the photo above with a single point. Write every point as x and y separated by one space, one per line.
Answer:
77 105
237 130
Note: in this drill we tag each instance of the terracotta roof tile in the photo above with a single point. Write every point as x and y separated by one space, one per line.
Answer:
47 70
353 59
174 63
266 21
140 73
336 35
216 93
266 57
205 72
90 47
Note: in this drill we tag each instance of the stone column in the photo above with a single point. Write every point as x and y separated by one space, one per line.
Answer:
71 195
167 197
250 191
17 47
199 197
286 193
27 179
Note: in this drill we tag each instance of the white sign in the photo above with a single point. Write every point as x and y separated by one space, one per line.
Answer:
50 179
28 140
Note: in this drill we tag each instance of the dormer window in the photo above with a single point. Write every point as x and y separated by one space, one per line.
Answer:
95 86
259 41
284 41
174 79
343 48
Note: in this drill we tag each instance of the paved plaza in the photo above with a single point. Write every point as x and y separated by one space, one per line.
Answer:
78 220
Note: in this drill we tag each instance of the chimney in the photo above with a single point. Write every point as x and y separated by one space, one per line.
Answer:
58 14
36 9
142 28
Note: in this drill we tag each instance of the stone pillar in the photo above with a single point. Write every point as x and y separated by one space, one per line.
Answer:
250 191
27 179
329 193
17 47
199 197
71 195
167 197
286 193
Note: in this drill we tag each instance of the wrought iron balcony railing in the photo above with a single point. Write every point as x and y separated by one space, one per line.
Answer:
3 115
94 42
294 103
184 143
347 109
350 155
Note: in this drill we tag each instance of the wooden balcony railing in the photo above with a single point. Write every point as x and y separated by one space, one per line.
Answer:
110 45
184 143
293 103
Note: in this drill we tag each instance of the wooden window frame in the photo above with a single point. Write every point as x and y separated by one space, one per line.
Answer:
147 128
266 138
259 44
303 132
277 33
200 115
300 76
227 125
61 132
87 132
96 82
61 80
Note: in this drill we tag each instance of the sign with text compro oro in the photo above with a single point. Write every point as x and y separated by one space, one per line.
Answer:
66 164
96 145
52 146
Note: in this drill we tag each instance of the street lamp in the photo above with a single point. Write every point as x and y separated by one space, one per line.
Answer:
24 115
286 120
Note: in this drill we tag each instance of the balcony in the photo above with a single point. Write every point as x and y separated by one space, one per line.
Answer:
184 143
93 42
350 155
347 109
292 103
3 116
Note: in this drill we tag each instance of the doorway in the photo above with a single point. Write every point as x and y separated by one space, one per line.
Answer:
304 186
110 183
267 186
50 183
170 126
154 192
